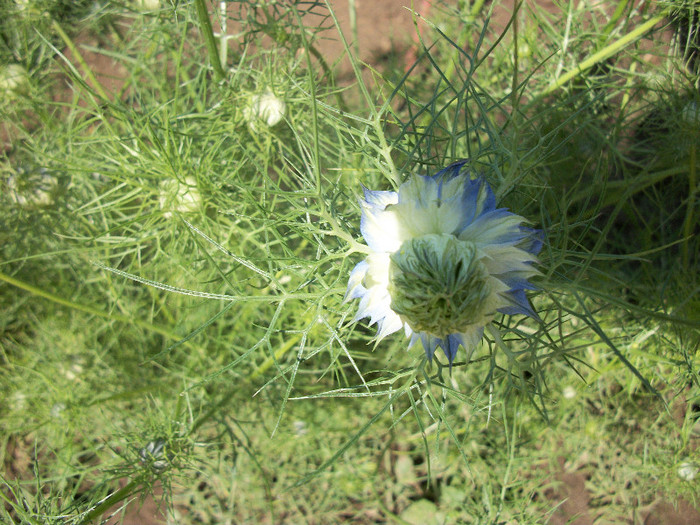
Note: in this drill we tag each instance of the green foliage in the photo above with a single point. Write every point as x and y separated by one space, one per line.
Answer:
173 264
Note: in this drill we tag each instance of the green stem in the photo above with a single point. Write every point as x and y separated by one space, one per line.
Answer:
475 10
84 66
466 41
328 72
376 119
605 53
223 38
112 500
85 308
269 361
209 39
514 84
619 11
352 9
689 221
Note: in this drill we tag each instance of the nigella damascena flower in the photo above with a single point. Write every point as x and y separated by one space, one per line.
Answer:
443 261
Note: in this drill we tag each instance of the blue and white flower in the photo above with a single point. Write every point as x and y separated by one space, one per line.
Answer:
443 261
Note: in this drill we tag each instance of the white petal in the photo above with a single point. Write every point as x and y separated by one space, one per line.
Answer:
390 324
486 230
380 199
380 228
501 259
355 287
373 304
377 270
426 207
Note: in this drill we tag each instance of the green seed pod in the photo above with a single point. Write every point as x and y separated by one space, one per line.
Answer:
438 284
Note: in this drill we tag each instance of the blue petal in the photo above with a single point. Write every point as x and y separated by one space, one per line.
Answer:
450 171
515 282
477 200
447 174
519 304
379 198
450 345
534 240
430 343
470 199
488 196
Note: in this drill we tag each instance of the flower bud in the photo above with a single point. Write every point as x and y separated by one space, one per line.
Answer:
13 80
33 188
688 470
154 455
180 197
266 108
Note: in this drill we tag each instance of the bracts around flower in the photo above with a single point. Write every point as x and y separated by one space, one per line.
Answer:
444 261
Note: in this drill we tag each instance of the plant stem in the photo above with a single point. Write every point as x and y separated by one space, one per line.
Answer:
352 11
605 53
112 500
85 308
209 39
84 66
692 190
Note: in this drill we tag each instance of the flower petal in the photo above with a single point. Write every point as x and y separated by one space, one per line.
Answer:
502 259
380 199
451 171
355 288
390 324
378 225
534 240
520 305
450 345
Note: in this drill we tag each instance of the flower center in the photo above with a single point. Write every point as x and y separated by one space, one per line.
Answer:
437 284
